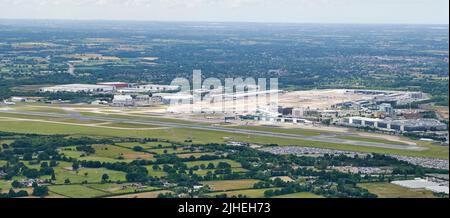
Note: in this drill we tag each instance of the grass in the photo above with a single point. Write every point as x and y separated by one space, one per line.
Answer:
2 163
234 170
374 140
201 136
115 189
153 194
76 191
44 109
129 125
155 173
299 195
114 152
250 193
147 145
387 190
233 164
5 185
227 185
103 159
168 151
71 152
297 131
63 171
196 155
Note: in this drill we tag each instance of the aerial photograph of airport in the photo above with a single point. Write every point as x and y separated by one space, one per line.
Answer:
222 99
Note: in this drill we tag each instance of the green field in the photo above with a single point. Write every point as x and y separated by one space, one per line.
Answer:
374 140
76 191
116 189
297 131
114 152
234 170
5 185
299 195
153 194
2 163
147 145
63 171
155 173
226 185
250 193
387 190
129 125
201 136
233 164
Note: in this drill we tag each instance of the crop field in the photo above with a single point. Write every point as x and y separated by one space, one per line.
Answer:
387 190
226 185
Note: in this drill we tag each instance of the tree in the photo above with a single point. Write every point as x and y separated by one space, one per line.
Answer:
136 174
67 181
40 191
105 178
75 165
138 148
16 184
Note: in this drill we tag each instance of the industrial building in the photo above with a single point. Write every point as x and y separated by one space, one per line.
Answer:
117 85
419 125
167 98
79 88
123 100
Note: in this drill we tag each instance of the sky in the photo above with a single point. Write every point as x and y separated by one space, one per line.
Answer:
268 11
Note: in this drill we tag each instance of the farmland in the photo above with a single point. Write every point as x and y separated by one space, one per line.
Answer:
386 190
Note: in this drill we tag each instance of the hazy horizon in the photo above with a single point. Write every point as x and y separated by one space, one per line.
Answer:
258 11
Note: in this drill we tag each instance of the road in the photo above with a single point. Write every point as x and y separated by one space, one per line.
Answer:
327 138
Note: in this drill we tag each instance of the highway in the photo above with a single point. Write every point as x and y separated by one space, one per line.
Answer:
327 138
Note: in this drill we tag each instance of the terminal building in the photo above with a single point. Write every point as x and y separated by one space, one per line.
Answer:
419 125
156 88
79 88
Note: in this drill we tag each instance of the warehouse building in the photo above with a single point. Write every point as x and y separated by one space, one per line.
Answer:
79 88
122 100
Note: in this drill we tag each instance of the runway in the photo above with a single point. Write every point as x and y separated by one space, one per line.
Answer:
326 138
